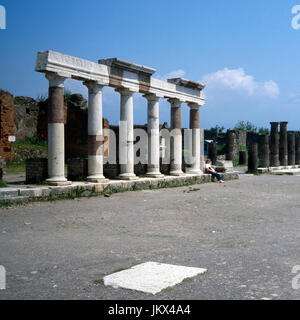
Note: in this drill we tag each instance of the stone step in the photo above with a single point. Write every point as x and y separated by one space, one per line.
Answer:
14 200
8 192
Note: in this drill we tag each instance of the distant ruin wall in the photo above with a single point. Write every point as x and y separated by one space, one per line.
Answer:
26 118
6 125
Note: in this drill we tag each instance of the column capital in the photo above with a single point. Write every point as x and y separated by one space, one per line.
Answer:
283 123
56 79
175 103
125 91
152 97
93 85
193 105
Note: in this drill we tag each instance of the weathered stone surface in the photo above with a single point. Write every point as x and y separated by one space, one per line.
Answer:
264 151
26 117
224 166
213 152
283 147
7 107
291 149
230 145
22 153
274 145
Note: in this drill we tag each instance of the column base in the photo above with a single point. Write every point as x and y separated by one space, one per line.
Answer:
58 182
95 179
177 173
128 176
154 175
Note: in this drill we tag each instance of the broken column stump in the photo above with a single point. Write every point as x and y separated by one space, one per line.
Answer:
264 151
213 152
291 149
229 145
252 160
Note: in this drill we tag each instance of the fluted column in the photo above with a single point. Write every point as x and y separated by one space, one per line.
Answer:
283 150
229 145
176 139
274 145
126 136
153 169
297 151
264 151
291 149
194 152
95 133
56 131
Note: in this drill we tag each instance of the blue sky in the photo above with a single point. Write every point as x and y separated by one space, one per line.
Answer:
246 52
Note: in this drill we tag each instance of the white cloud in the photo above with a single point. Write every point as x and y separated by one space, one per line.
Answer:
271 89
173 74
239 81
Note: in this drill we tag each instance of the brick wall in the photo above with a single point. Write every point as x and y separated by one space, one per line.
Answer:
7 108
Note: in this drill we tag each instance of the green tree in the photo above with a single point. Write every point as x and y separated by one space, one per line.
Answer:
246 126
218 128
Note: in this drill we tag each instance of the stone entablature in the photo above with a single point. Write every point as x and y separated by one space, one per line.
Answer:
114 74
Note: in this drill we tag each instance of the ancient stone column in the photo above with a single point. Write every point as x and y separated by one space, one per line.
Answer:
252 160
274 147
176 139
212 154
243 157
283 149
95 133
126 136
229 145
291 149
153 169
264 151
56 131
297 151
194 152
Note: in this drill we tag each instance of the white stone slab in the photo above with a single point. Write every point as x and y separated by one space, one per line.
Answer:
151 277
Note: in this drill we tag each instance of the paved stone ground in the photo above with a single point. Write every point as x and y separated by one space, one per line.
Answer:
246 233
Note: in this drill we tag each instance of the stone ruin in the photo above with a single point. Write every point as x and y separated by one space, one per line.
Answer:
6 125
126 78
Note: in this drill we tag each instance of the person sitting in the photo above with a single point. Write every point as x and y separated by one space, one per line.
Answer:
212 171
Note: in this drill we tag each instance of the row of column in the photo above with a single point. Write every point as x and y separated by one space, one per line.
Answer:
56 149
285 148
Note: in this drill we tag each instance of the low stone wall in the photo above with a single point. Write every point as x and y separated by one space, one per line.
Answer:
83 189
36 170
77 169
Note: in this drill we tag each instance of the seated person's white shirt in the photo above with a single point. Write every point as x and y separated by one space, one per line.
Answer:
208 166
